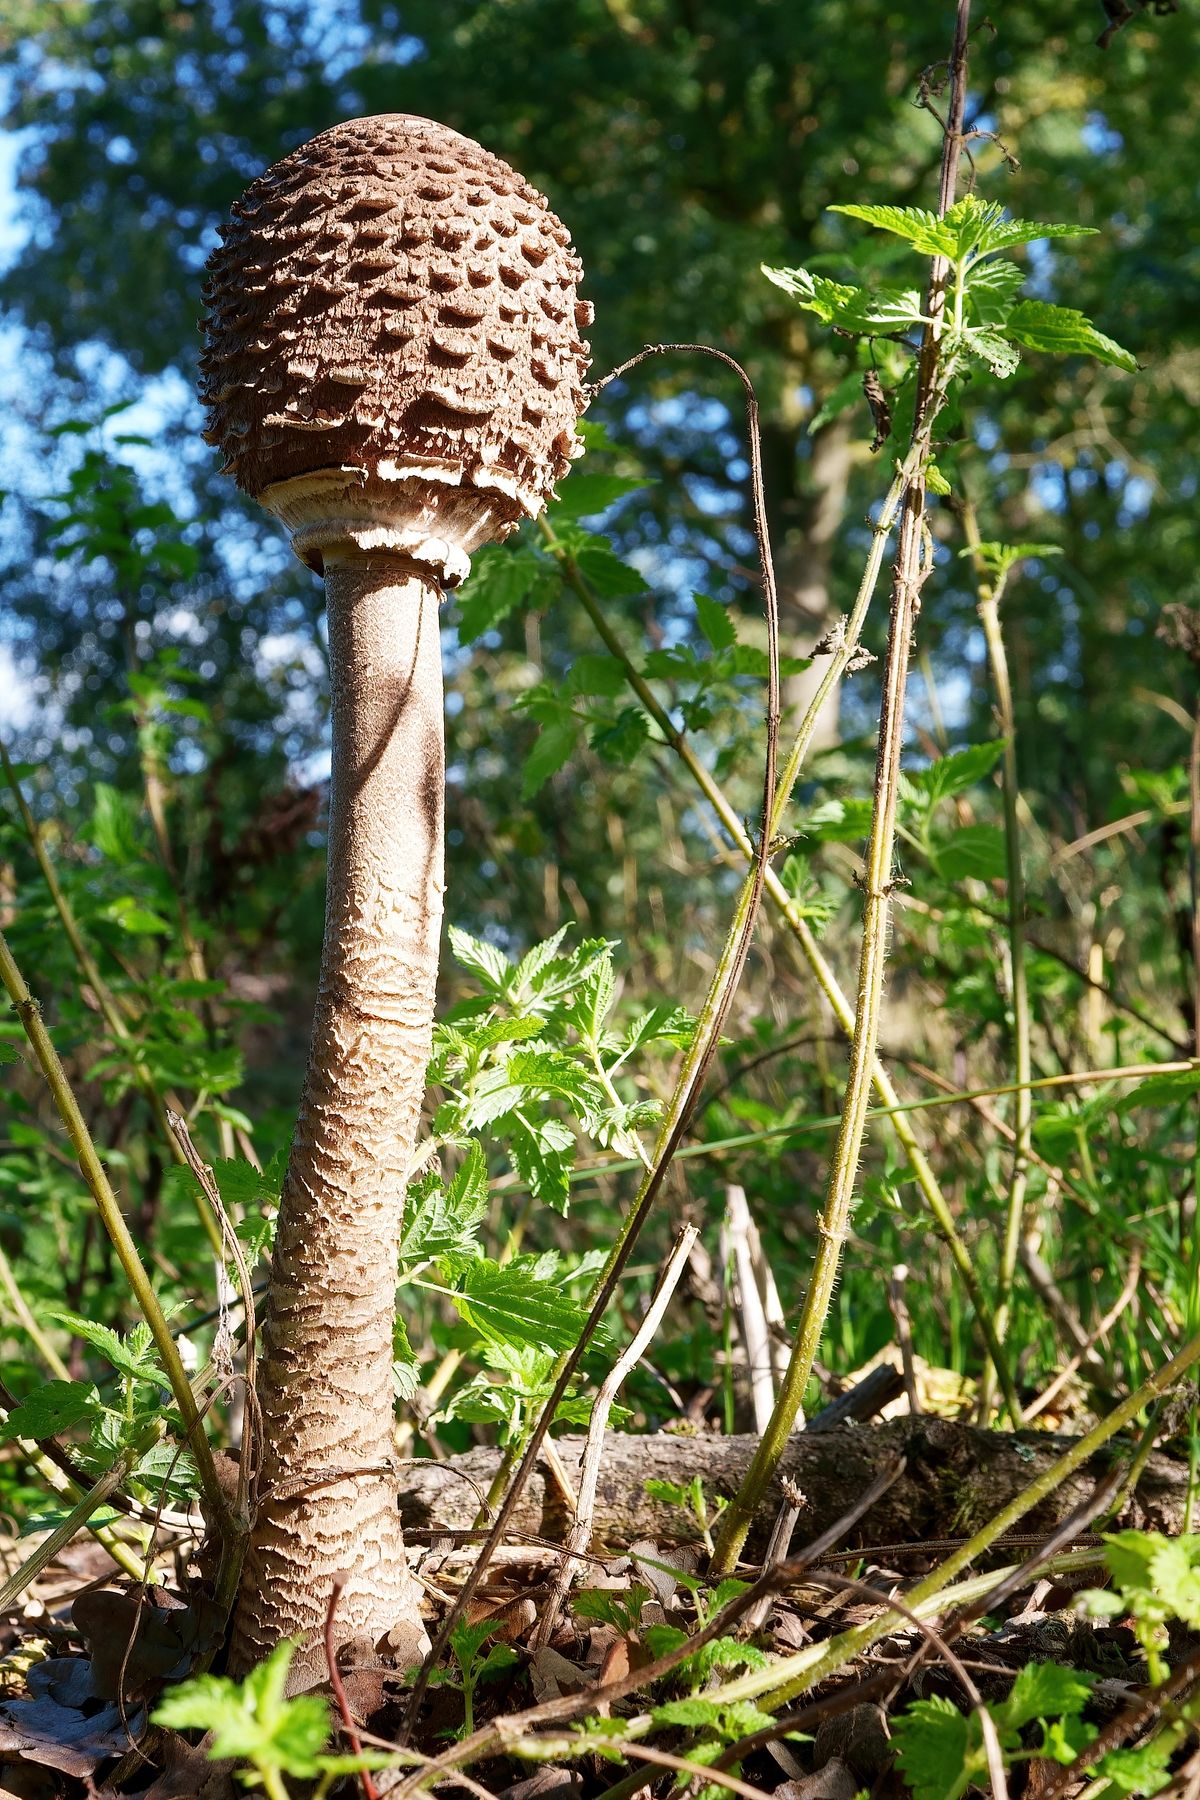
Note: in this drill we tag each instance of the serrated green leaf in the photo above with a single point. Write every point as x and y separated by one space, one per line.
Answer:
837 821
606 574
484 960
583 495
1161 1090
849 308
596 674
132 1355
935 481
1145 1770
1063 331
251 1720
113 827
1001 357
1032 231
715 622
509 1303
961 770
1175 1574
1044 1691
553 749
923 230
933 1749
55 1406
976 852
501 580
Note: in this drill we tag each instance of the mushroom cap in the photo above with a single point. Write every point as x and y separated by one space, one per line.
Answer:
394 309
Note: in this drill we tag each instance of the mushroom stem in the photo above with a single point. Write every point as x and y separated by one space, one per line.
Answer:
326 1377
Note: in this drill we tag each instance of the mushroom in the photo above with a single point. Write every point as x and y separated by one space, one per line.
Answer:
393 368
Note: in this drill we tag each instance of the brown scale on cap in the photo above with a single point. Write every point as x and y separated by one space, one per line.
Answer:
393 301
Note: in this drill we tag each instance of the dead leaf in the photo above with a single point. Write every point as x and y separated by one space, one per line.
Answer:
65 1725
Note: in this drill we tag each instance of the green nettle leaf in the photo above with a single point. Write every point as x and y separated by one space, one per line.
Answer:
933 1749
511 1303
251 1720
133 1355
553 749
923 230
715 622
444 1221
55 1406
850 308
837 821
977 852
1064 332
1001 357
955 773
992 286
1141 1771
113 827
501 580
596 674
1161 1090
1044 1691
582 495
1175 1573
484 960
935 481
619 740
605 572
543 1153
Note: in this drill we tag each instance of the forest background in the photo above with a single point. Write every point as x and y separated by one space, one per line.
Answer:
165 683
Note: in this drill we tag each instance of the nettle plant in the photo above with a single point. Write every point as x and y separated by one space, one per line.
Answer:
985 322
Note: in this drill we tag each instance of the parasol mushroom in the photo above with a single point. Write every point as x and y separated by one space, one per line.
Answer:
393 368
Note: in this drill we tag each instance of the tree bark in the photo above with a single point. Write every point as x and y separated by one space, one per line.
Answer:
956 1477
327 1497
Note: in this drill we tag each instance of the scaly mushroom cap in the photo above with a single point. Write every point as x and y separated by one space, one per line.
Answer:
393 305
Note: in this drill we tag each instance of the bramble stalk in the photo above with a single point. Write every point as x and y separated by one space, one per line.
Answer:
912 567
786 909
113 1220
783 1681
990 593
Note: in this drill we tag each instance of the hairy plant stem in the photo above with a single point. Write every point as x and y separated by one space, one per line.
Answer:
787 910
783 1681
911 570
990 593
106 1000
113 1220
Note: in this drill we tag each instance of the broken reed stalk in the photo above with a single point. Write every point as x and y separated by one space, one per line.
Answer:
989 593
912 567
580 1535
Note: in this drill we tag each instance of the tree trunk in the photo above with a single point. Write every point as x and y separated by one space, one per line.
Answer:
326 1487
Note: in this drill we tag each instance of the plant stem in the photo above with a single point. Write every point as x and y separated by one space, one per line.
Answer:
787 910
111 1217
796 1675
106 1000
989 617
911 570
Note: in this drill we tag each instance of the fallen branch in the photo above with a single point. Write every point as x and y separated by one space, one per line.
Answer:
957 1475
